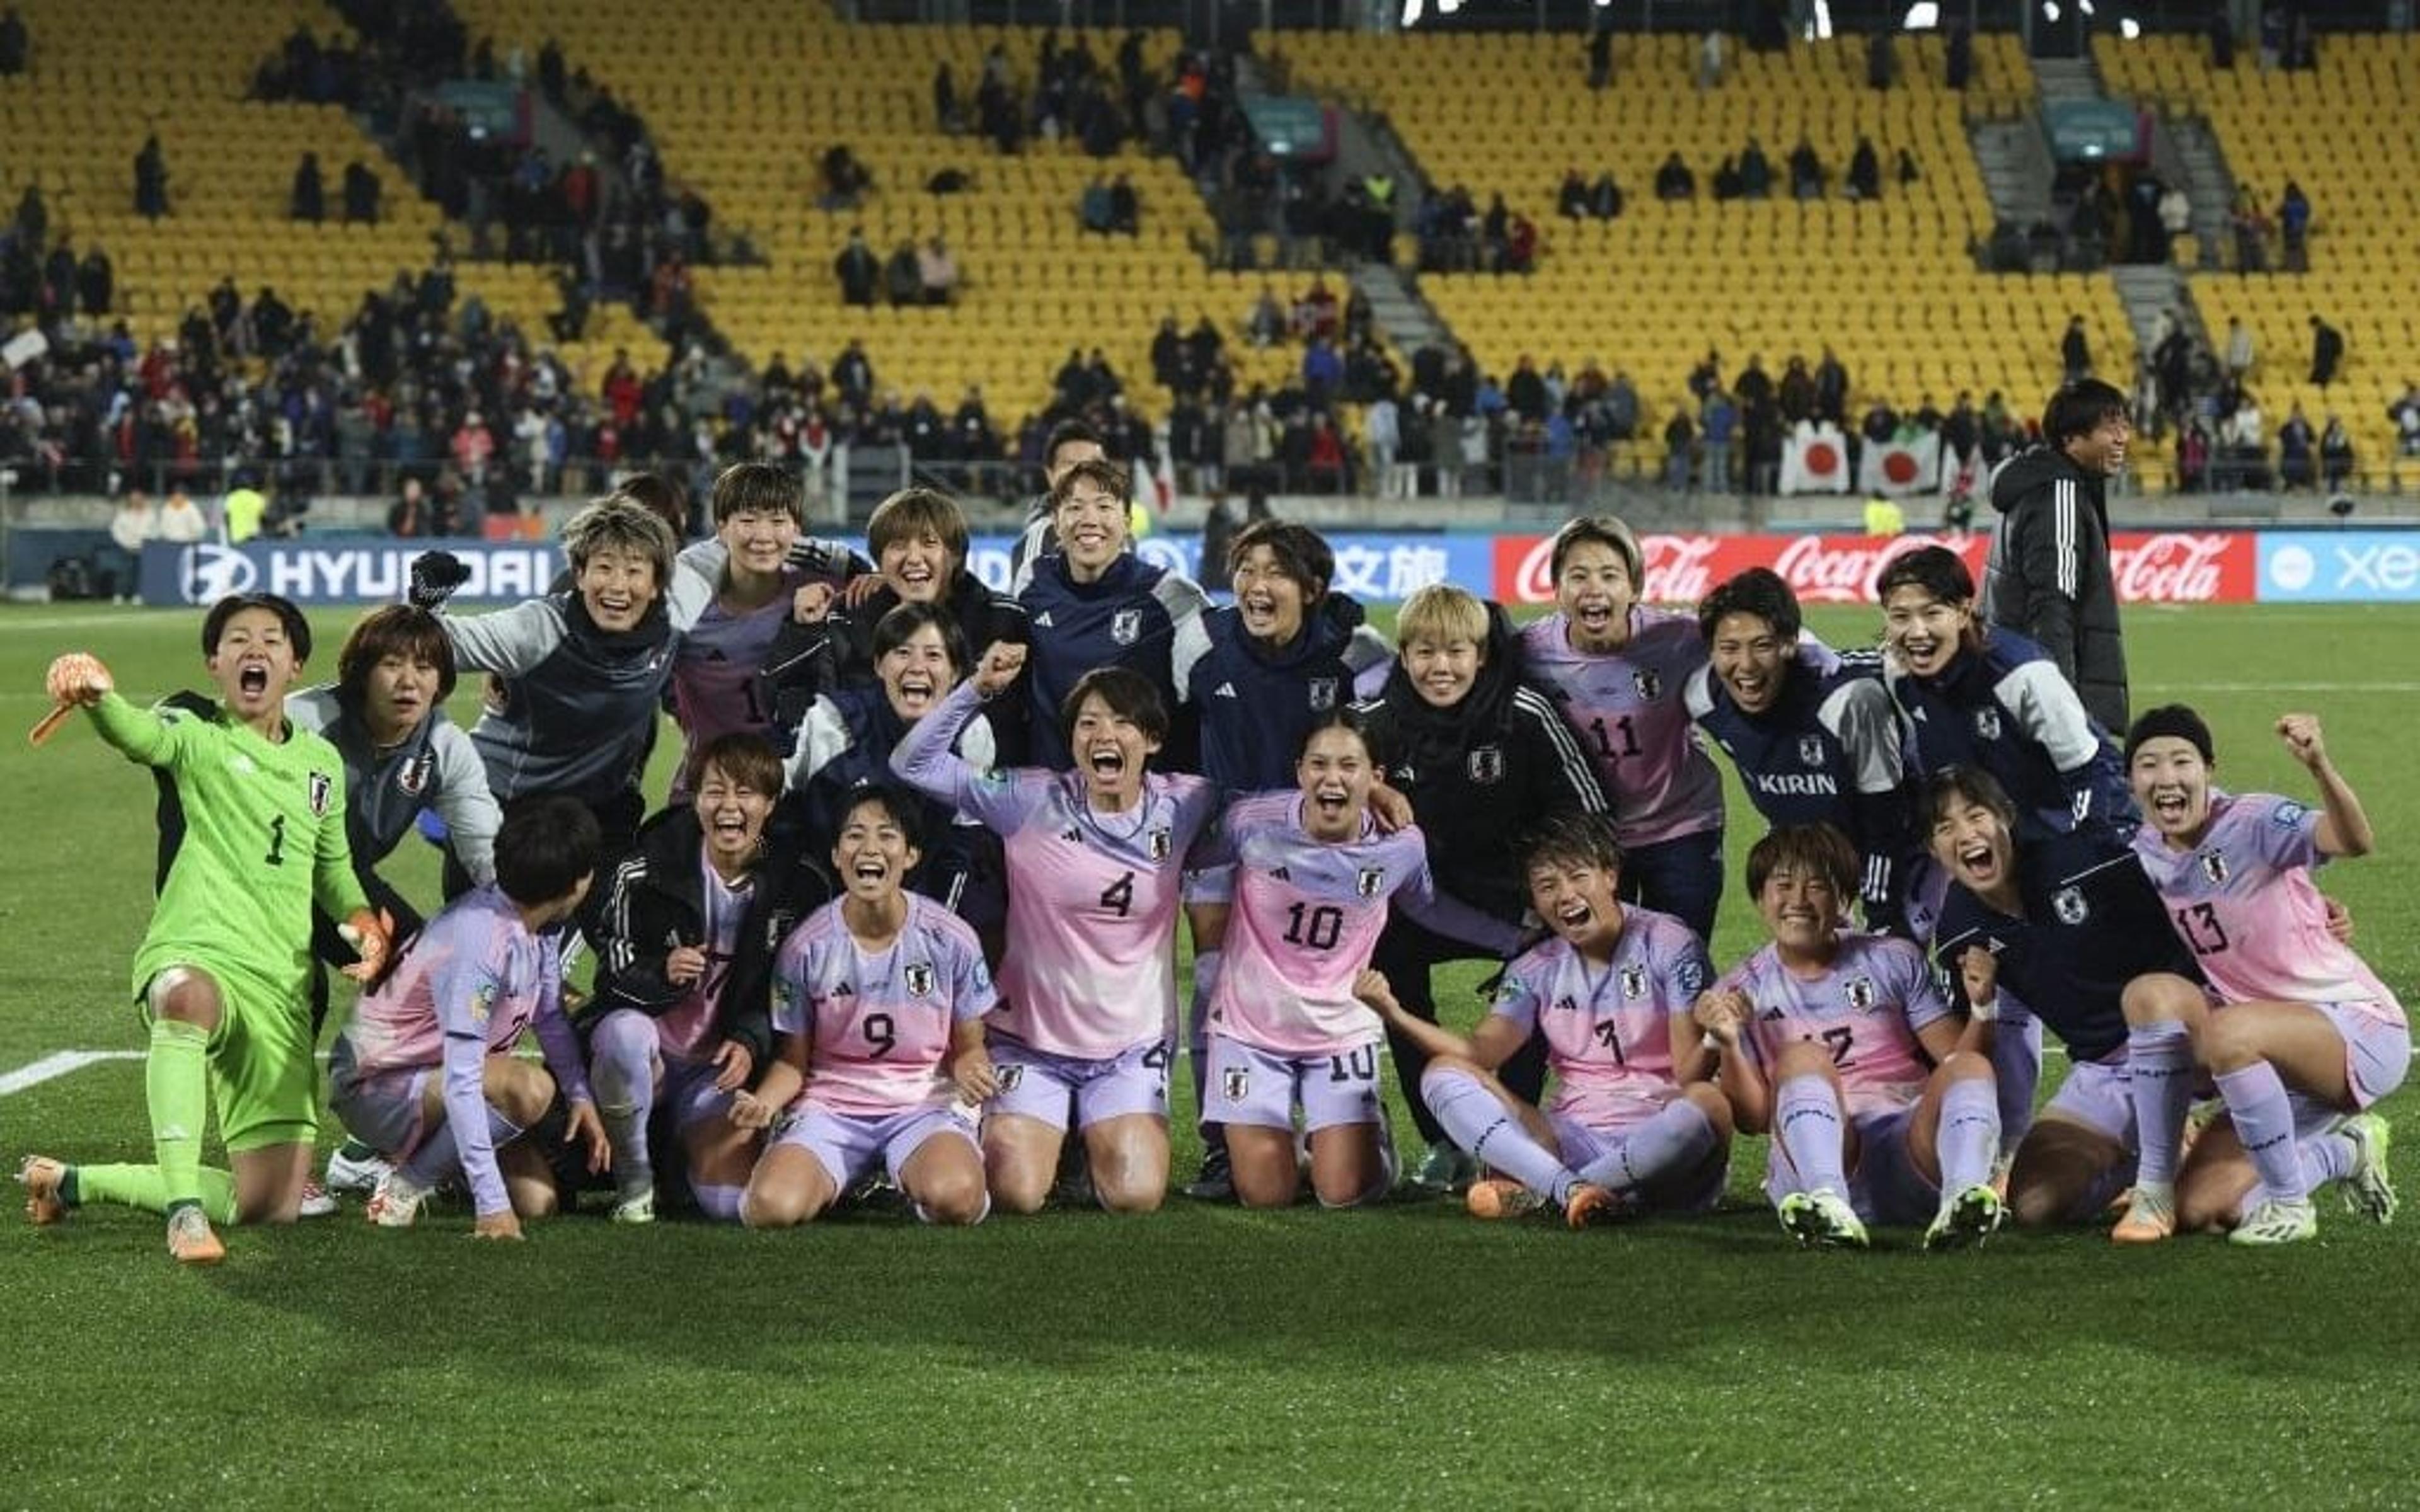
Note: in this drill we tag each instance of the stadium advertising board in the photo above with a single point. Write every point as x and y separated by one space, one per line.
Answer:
2339 567
338 571
2167 567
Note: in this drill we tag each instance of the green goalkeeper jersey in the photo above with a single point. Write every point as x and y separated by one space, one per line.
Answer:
263 837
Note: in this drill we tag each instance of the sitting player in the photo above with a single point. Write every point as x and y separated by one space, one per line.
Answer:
258 808
424 1072
881 996
1088 997
1312 880
2308 1038
1825 1039
2063 930
1612 993
681 1016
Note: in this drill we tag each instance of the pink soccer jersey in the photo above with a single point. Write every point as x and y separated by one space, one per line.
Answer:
685 1030
879 1022
2243 902
1628 710
474 971
1091 896
1306 915
1608 1027
1866 1008
719 672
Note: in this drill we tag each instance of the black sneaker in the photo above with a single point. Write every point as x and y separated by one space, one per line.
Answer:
1216 1182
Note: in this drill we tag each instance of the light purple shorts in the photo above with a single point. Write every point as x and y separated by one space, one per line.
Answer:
1884 1187
1208 885
1695 1190
1260 1089
846 1144
687 1094
1036 1084
2377 1048
2100 1095
383 1110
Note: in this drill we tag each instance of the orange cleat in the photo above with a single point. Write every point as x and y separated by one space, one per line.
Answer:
191 1240
1500 1196
1592 1204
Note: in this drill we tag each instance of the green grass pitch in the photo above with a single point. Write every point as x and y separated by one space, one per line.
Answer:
1403 1356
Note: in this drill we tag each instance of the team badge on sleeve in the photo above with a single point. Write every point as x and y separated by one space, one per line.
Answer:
1371 880
2214 866
1648 682
2068 904
1690 976
1810 750
1125 626
1860 992
323 792
1322 694
1987 724
483 1004
1235 1082
920 979
1487 764
2288 814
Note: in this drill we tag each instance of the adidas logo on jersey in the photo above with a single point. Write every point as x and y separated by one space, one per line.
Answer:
1224 690
1282 874
1042 621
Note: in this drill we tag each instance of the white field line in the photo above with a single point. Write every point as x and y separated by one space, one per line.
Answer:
53 1066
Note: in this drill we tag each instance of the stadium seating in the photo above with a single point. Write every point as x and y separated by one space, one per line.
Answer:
744 110
2347 134
102 76
1890 285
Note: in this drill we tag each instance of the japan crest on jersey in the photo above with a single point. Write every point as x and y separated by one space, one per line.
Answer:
1125 626
1810 750
1010 1076
1860 992
413 776
1322 694
1234 1083
323 792
1987 723
1634 981
2214 866
1487 764
1649 685
1371 880
2068 904
1157 842
918 977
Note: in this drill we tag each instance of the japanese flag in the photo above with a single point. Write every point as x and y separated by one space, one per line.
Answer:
1903 465
1815 459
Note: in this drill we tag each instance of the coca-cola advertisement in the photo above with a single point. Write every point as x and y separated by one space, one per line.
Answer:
2161 567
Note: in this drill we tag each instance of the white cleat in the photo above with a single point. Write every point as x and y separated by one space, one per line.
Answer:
396 1202
2275 1223
361 1176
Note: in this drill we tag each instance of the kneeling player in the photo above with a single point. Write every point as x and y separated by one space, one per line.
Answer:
257 810
1312 882
881 996
1088 996
424 1072
1612 993
2300 1009
680 1021
1825 1040
2066 930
